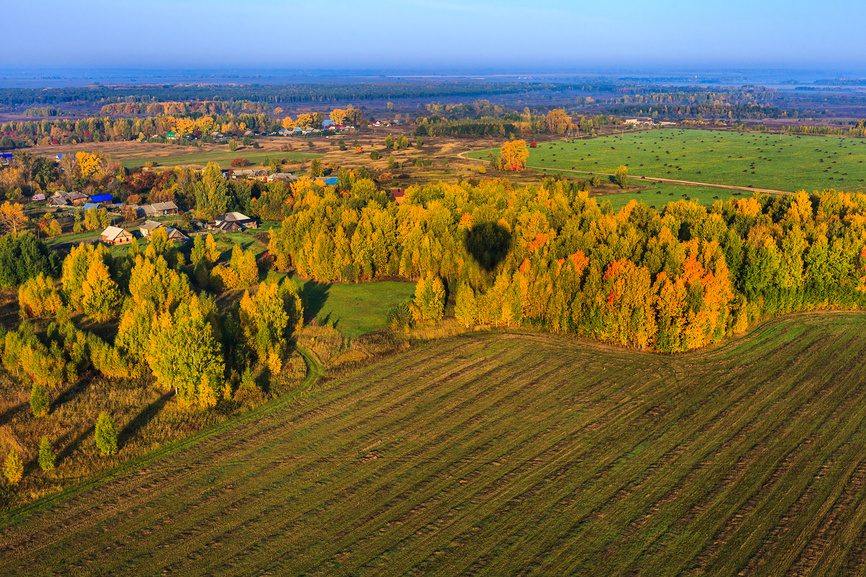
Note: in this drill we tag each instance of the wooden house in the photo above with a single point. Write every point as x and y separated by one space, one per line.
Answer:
116 235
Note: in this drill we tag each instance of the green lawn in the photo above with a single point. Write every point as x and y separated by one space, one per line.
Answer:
503 454
353 309
787 163
223 157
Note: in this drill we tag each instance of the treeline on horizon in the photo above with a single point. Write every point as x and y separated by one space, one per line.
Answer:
669 280
279 93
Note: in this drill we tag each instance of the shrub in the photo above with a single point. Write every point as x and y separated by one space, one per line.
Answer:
374 155
240 162
106 434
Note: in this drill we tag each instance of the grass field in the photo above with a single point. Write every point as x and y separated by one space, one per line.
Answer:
787 163
224 157
505 454
659 194
352 309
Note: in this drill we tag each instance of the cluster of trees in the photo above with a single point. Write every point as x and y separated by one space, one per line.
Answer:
165 328
554 121
711 110
669 280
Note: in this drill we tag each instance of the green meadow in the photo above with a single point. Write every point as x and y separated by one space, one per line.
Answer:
772 161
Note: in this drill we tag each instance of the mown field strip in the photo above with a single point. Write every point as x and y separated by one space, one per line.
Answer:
500 454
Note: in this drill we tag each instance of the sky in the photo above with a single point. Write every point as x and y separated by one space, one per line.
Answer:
433 35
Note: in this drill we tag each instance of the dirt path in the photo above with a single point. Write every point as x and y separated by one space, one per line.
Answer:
462 156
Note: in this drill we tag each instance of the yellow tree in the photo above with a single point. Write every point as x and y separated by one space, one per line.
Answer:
12 217
514 155
38 297
101 296
557 121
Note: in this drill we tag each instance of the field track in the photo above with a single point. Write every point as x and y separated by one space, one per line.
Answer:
506 454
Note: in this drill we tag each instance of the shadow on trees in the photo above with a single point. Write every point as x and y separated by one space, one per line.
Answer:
488 243
313 295
142 419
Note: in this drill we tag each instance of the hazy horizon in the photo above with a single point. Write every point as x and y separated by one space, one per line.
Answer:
553 36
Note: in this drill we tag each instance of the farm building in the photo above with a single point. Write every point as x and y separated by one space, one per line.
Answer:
330 181
116 235
58 201
38 197
102 198
89 205
399 195
148 227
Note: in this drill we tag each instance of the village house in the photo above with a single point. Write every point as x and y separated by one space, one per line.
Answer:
164 208
284 176
176 235
116 235
237 218
148 227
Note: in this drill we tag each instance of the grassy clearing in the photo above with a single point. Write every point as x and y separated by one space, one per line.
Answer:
787 163
505 454
352 309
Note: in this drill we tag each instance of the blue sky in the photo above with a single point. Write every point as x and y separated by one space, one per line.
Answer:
433 34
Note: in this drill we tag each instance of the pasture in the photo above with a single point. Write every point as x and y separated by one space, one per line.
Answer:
504 454
787 163
771 161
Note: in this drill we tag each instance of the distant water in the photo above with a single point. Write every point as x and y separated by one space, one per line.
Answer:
777 78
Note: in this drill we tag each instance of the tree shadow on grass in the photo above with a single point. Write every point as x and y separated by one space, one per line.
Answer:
69 393
71 447
8 415
313 295
142 419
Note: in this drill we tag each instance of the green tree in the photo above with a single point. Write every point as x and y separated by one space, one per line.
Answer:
389 141
106 434
316 168
374 155
211 193
233 144
185 354
46 454
14 468
39 401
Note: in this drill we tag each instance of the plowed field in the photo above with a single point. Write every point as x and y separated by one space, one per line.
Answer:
506 454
